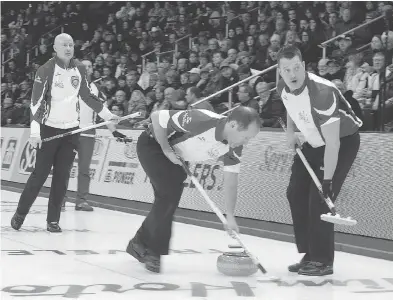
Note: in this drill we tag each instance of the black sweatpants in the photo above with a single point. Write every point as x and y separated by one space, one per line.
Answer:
60 153
85 153
167 180
313 236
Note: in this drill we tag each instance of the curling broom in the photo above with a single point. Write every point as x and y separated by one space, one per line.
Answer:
219 214
333 216
135 115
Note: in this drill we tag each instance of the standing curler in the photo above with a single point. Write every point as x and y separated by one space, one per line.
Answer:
331 130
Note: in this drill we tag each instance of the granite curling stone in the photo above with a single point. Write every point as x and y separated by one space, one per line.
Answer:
236 264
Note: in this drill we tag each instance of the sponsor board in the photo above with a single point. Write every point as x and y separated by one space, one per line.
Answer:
28 160
11 140
122 175
9 153
100 150
263 180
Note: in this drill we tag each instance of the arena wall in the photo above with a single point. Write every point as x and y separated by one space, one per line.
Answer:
115 171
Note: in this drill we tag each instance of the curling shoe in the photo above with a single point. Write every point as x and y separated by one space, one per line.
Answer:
84 206
53 227
296 267
17 221
136 249
152 262
314 268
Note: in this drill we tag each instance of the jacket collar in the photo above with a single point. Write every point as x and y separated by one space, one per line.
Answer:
61 64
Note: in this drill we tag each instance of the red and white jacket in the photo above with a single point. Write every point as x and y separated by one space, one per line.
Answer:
56 94
196 135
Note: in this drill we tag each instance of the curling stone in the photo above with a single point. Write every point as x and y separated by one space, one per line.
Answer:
236 264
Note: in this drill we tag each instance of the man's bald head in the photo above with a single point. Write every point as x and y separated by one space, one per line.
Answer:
63 37
64 46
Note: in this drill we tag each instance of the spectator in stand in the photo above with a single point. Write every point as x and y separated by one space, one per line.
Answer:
194 76
353 72
136 104
245 95
118 110
120 98
347 23
244 72
323 69
131 84
214 85
291 38
4 91
334 70
8 112
387 42
308 49
271 106
359 91
25 91
22 114
193 95
113 40
345 48
160 103
110 87
370 93
375 46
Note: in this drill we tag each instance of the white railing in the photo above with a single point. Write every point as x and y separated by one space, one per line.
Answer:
325 43
189 36
162 53
237 17
38 45
229 88
144 58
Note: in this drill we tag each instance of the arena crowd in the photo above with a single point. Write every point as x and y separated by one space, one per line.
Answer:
149 56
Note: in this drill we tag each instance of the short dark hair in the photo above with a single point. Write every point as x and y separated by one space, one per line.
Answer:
244 116
195 91
289 52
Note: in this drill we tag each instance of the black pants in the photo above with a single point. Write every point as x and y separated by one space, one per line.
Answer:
167 180
85 153
313 236
60 153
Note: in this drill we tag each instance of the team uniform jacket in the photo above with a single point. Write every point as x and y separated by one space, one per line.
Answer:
196 135
56 93
317 103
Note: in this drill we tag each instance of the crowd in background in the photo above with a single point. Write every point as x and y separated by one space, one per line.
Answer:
116 36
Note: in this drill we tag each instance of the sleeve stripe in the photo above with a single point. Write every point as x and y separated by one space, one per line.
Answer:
330 121
35 107
232 168
175 119
329 111
163 118
237 156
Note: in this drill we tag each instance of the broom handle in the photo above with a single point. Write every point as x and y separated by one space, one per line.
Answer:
315 179
220 215
312 173
138 114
